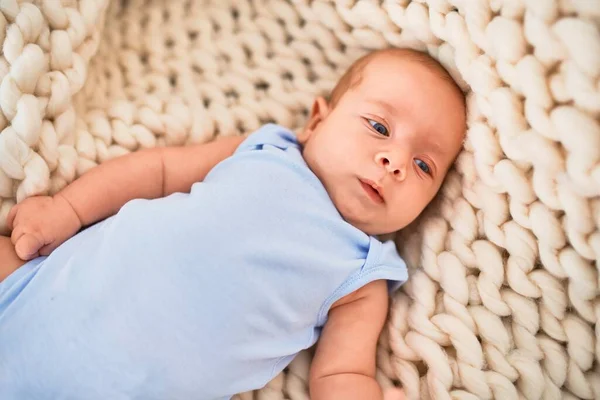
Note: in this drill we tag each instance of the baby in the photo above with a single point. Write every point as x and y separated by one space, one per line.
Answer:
214 265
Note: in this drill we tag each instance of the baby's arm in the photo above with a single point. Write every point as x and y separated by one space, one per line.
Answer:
39 224
9 261
147 174
344 364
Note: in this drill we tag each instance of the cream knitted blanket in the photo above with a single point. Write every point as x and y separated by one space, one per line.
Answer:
503 299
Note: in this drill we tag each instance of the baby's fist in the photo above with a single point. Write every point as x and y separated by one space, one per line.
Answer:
40 224
393 394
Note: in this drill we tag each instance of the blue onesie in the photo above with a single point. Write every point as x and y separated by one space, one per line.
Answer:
197 295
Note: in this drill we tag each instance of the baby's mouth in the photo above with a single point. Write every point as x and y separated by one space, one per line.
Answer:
372 190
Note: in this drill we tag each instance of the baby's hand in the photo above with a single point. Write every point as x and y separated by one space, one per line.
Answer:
393 394
40 224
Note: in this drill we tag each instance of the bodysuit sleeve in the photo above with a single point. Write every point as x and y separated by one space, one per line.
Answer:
269 134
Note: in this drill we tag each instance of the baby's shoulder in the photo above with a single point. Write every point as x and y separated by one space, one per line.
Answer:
271 135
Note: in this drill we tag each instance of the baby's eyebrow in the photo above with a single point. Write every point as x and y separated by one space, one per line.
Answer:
431 144
439 149
436 146
383 104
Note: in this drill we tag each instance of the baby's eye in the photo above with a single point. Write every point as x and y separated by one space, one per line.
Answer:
423 165
380 128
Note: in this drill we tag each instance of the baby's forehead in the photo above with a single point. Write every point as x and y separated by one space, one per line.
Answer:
388 65
414 88
413 69
382 62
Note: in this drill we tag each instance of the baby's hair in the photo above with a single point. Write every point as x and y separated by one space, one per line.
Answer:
353 75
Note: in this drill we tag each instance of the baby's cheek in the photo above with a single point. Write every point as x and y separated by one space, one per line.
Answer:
401 217
409 206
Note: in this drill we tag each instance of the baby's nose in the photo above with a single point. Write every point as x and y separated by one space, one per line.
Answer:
392 165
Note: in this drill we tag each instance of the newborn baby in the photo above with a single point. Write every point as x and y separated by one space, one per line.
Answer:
213 265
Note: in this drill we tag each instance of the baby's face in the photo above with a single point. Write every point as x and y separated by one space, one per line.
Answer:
383 151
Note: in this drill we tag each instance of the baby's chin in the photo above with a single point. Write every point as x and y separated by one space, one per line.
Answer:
376 228
373 222
379 228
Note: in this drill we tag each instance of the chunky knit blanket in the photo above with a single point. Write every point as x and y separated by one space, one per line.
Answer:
503 296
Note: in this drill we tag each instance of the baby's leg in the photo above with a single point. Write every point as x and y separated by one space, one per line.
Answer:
9 261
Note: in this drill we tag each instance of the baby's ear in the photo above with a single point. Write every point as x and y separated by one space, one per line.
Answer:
318 112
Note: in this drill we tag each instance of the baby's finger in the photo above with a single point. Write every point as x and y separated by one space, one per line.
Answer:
16 234
10 219
27 246
46 250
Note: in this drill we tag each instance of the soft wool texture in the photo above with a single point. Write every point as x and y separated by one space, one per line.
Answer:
503 298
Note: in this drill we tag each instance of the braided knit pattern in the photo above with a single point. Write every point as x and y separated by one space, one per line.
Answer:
503 296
